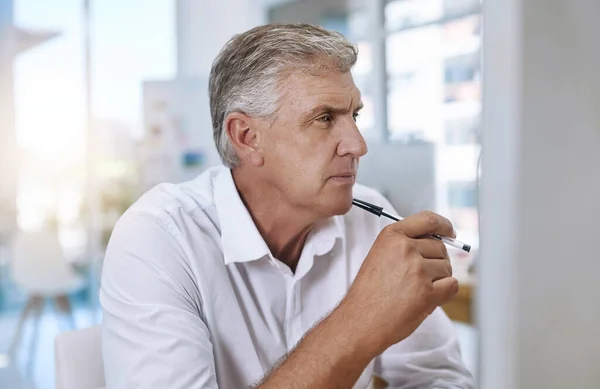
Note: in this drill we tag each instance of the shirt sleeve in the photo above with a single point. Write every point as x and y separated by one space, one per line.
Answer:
153 335
428 359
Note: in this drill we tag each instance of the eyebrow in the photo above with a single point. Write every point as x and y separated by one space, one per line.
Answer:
331 109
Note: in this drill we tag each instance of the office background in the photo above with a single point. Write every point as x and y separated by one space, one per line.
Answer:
102 99
111 100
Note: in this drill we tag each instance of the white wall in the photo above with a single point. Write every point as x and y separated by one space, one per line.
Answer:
538 305
203 27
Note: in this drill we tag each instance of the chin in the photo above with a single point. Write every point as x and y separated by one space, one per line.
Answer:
339 203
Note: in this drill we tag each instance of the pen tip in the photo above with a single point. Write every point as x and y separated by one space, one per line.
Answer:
467 248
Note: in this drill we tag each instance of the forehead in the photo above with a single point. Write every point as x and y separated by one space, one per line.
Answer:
305 91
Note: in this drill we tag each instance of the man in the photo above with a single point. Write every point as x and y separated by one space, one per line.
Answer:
260 273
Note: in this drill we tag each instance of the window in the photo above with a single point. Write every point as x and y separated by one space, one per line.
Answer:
433 70
354 25
462 195
462 131
462 205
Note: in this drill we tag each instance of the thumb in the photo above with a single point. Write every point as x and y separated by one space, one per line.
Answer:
444 290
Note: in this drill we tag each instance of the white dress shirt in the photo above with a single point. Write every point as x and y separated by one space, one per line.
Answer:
193 298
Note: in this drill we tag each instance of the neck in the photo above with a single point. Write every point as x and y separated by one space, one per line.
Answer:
283 227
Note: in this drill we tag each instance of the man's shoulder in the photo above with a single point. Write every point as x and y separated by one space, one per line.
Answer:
169 221
169 199
169 212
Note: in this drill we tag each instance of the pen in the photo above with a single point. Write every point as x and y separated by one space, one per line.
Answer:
376 210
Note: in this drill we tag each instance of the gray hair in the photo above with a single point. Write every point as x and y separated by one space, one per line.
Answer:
246 75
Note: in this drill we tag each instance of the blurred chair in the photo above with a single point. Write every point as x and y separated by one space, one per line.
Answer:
78 359
39 269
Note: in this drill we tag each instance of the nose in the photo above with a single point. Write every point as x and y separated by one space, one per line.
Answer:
352 142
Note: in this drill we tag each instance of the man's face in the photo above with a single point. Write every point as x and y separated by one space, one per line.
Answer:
312 148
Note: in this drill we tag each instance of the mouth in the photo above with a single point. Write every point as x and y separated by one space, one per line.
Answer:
344 178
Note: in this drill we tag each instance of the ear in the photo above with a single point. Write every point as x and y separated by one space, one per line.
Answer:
243 134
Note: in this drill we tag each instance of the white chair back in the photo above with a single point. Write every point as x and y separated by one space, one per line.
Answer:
78 359
39 266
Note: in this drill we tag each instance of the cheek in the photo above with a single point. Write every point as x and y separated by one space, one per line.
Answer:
294 151
302 176
301 159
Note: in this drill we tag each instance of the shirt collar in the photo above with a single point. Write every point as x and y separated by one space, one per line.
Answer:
322 238
242 242
240 238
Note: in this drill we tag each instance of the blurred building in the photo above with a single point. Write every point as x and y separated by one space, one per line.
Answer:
13 41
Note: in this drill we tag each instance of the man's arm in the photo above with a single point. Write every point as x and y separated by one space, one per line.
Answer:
153 336
429 358
332 355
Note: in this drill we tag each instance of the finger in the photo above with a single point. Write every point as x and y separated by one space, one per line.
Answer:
431 248
436 269
444 290
424 224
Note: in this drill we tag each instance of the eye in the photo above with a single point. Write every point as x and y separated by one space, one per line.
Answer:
355 115
324 119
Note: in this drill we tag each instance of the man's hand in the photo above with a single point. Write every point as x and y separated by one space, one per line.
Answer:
406 275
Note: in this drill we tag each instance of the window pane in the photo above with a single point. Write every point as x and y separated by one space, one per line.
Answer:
404 14
415 83
462 130
358 25
433 78
363 69
362 73
461 195
434 75
364 62
462 205
366 118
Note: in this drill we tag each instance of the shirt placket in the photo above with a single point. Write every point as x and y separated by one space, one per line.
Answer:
293 320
